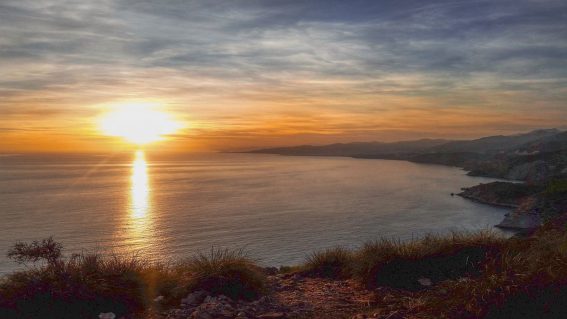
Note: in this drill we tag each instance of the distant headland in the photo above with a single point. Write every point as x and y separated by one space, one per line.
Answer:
537 158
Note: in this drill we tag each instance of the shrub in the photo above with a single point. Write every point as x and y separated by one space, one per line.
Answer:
527 280
437 258
330 263
226 272
47 249
81 286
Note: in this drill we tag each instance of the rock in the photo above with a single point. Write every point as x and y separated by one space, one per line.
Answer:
107 315
194 298
270 271
210 299
199 314
272 315
524 217
425 282
296 277
159 299
226 313
241 314
520 221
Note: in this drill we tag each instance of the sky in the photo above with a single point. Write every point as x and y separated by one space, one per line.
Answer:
245 74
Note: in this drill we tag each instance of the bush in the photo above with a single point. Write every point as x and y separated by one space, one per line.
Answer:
436 258
527 280
47 249
225 272
330 263
81 286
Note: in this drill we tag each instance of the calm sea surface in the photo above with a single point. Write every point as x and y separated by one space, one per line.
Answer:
279 209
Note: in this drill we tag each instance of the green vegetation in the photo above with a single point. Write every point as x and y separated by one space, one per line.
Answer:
226 272
330 263
437 258
402 264
460 275
557 187
85 285
528 279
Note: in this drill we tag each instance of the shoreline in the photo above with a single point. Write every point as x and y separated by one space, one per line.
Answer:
477 199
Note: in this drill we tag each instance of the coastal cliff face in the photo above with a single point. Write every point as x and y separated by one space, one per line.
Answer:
525 216
533 204
536 172
500 193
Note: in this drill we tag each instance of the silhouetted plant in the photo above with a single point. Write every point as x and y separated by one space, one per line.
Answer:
46 249
81 286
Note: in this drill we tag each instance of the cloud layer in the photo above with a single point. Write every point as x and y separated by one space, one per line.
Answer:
245 73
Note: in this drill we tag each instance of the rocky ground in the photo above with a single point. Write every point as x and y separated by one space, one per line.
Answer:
292 296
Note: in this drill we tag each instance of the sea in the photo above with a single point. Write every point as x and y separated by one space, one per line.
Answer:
277 209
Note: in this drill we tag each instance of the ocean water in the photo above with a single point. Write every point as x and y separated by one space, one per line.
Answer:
278 209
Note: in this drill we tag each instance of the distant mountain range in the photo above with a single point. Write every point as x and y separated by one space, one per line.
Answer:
514 156
491 144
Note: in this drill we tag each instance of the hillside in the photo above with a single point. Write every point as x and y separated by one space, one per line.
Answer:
534 156
356 149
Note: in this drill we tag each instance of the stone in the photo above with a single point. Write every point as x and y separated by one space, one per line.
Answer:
194 298
107 315
198 314
425 282
272 315
521 221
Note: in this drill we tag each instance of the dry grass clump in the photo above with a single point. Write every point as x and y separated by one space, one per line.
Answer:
435 258
226 272
81 287
85 285
329 263
527 280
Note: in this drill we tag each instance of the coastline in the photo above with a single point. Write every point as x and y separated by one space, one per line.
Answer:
517 224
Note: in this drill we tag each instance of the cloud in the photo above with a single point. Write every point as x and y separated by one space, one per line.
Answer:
278 57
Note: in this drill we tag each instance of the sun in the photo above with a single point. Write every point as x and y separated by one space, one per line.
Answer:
138 123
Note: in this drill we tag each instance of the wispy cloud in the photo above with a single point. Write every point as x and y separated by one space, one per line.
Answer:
258 63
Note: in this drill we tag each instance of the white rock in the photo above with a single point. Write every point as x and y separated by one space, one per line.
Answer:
107 315
425 281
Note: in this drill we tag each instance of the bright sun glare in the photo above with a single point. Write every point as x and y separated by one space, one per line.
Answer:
138 123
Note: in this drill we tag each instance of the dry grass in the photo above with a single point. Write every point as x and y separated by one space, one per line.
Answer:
437 258
527 279
85 285
81 287
226 272
330 263
474 275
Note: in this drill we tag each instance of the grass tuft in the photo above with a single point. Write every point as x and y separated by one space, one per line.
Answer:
330 263
85 285
80 287
226 272
437 258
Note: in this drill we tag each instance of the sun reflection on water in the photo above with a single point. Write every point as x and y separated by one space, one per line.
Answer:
140 189
139 223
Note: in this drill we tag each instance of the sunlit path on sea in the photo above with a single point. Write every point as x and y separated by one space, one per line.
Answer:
140 231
